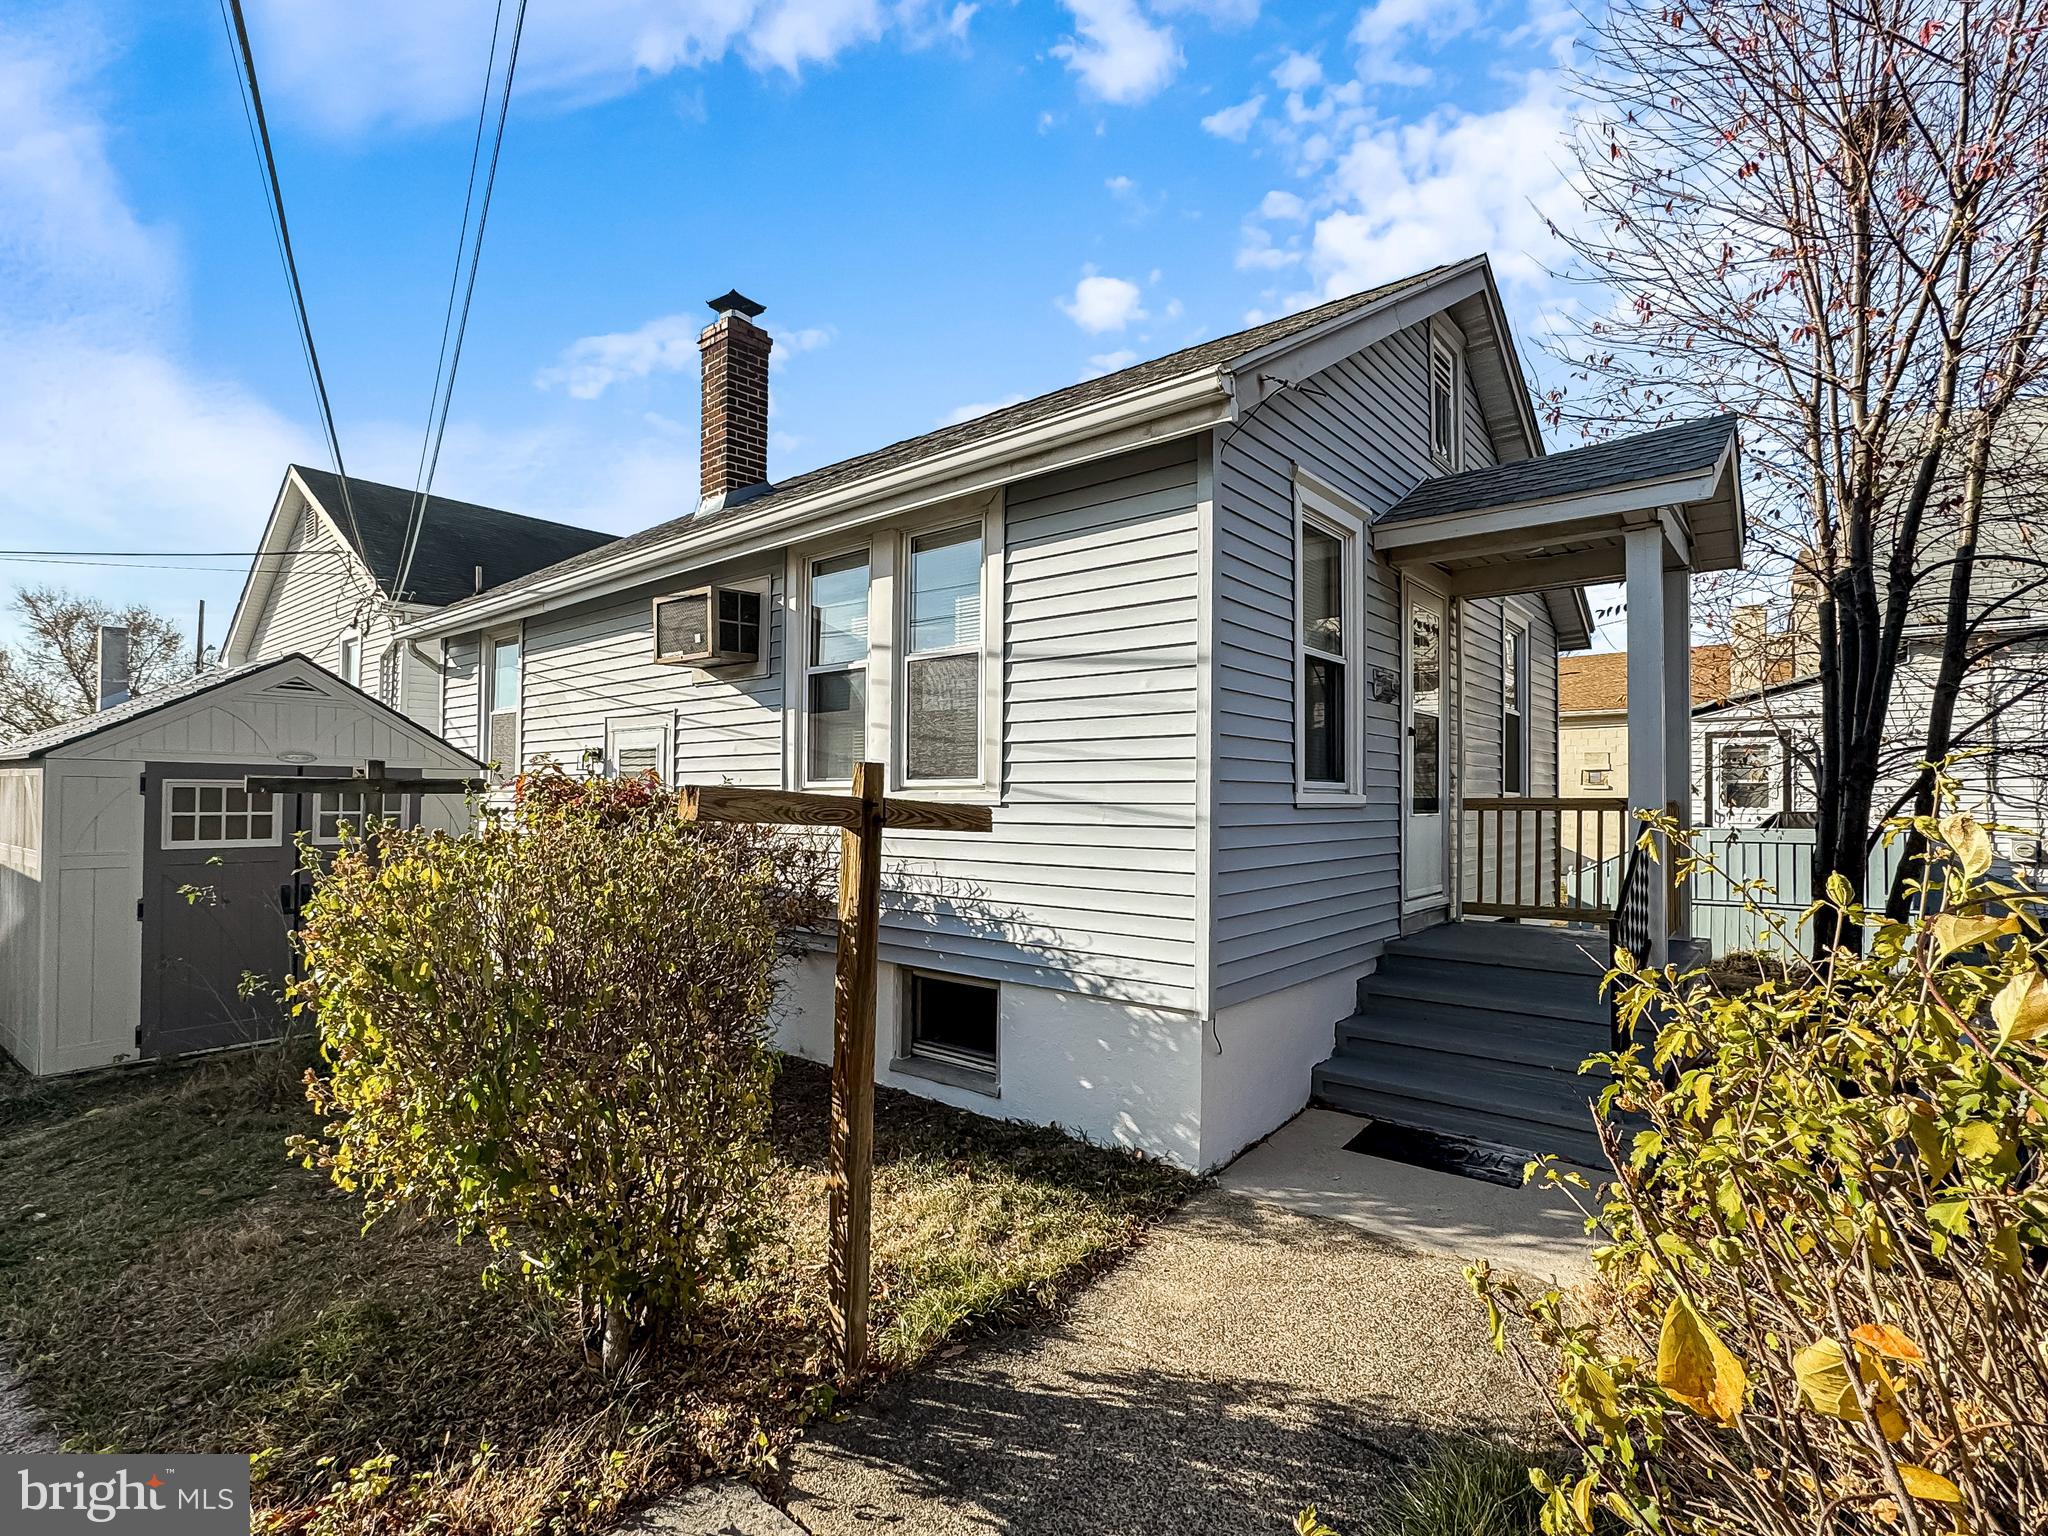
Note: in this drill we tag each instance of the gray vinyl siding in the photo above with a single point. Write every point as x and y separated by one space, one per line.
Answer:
460 696
589 664
1088 881
1304 891
314 598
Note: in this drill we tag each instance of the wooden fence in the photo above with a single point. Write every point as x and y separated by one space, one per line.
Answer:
1784 861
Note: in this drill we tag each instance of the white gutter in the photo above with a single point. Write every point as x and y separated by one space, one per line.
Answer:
1183 404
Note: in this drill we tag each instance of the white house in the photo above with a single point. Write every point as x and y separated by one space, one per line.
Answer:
1252 651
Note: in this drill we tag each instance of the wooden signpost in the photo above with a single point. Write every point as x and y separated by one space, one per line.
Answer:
862 817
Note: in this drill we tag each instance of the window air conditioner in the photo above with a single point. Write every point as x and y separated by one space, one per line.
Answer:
708 627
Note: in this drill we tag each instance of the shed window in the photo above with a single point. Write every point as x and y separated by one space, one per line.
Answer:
942 656
351 808
953 1022
217 813
836 668
1514 711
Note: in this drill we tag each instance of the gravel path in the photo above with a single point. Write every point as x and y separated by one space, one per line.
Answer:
1246 1362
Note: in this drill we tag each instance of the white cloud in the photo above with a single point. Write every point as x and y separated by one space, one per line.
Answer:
591 365
1282 205
1387 26
1234 123
409 64
1102 304
1256 251
1110 362
1120 54
1298 71
1121 186
1220 13
961 413
104 432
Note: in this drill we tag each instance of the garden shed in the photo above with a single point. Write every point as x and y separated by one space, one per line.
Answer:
147 897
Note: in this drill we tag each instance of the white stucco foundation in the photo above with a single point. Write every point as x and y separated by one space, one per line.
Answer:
1112 1072
1115 1073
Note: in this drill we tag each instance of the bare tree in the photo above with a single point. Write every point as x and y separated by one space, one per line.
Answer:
1828 217
52 674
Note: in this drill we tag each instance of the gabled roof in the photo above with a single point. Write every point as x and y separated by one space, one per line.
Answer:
1689 448
39 743
1207 357
455 538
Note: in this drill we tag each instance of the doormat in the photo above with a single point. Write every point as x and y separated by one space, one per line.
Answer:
1462 1155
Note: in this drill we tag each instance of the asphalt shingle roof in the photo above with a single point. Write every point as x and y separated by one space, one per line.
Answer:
455 538
1688 448
36 743
1208 354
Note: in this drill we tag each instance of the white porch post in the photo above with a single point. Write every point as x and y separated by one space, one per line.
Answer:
1648 688
1678 721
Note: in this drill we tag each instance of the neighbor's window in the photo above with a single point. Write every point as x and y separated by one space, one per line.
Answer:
1743 772
351 660
836 668
1514 711
1326 647
942 656
1443 404
953 1022
501 706
217 814
351 808
635 747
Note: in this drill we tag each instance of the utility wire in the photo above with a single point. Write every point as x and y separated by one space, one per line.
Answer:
416 521
247 65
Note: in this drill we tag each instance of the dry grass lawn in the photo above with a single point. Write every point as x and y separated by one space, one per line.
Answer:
172 1282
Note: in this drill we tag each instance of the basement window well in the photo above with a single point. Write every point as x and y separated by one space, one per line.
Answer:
949 1031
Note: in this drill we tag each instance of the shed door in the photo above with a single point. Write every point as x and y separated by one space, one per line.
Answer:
218 881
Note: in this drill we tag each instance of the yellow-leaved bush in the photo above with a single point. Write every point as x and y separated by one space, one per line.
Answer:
553 1031
1820 1302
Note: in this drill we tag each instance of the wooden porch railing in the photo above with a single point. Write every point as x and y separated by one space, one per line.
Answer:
1525 856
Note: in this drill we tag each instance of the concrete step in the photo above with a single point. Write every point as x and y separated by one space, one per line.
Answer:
1485 1034
1458 984
1531 1137
1538 1094
1516 946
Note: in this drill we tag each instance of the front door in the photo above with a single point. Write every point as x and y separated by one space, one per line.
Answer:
1425 655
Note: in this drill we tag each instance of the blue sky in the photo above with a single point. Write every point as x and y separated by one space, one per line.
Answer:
944 206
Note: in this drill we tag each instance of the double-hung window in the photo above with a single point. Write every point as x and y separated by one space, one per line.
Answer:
1514 710
501 707
942 656
1327 642
836 668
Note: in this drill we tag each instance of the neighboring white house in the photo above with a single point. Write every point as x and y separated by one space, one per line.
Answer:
321 585
1236 643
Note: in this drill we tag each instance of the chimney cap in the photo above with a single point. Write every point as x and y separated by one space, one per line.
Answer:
733 302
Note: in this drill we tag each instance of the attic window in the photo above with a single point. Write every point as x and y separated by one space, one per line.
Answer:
1443 404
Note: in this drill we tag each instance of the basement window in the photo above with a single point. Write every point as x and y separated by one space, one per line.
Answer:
950 1025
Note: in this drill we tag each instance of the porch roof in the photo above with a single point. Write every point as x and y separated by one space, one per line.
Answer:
1559 521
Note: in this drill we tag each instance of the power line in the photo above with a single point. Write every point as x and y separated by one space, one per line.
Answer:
416 520
177 554
291 267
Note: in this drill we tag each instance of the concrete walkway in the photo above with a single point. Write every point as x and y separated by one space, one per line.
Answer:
1246 1362
1304 1167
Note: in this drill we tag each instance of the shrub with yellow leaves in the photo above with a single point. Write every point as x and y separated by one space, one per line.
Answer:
1820 1304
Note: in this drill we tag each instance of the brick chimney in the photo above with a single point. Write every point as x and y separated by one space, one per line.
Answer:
735 451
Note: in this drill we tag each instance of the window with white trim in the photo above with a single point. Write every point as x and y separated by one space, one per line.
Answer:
953 1022
636 746
502 681
836 667
1327 643
217 813
942 645
1443 403
1514 710
335 809
351 666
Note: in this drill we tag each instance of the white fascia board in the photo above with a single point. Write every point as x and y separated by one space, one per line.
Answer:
1175 408
276 533
1309 352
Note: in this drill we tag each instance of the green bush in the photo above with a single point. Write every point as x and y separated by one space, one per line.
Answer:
554 1031
1821 1307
